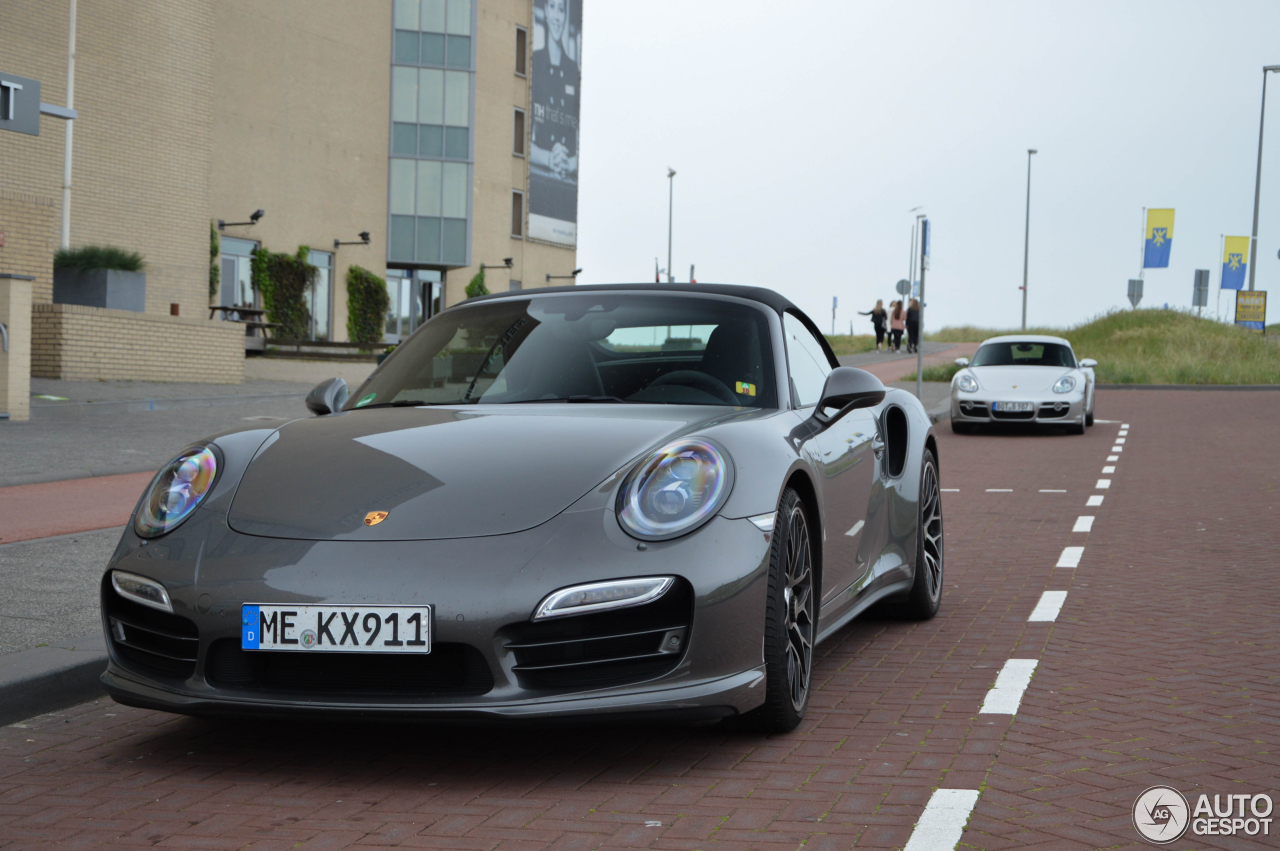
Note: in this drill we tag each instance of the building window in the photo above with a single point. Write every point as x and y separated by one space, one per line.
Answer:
522 51
515 285
432 32
318 296
517 143
236 285
432 89
517 213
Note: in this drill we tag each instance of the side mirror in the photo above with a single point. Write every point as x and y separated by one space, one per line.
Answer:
848 388
962 361
327 397
1089 363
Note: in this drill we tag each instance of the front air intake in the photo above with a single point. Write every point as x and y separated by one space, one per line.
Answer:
604 649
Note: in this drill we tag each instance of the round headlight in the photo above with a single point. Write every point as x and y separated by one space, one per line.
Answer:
967 383
175 493
674 490
1065 384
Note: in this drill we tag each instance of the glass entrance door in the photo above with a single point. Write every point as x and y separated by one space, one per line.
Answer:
416 296
318 296
237 279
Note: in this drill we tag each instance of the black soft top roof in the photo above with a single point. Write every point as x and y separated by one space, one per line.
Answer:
764 296
760 294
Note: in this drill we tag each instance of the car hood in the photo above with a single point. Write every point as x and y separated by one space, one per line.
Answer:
1016 379
443 472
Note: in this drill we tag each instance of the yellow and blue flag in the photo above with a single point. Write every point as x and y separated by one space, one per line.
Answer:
1159 239
1235 260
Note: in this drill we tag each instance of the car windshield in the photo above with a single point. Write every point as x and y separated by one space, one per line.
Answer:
1024 354
589 347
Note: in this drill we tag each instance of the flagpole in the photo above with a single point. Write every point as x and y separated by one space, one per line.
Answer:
1222 250
1142 264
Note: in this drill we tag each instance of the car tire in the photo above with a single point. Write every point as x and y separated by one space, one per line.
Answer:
790 621
925 597
961 428
1088 418
1076 428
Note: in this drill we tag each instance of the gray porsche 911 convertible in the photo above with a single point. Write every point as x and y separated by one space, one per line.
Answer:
632 500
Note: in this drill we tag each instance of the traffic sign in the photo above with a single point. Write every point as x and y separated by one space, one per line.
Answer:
904 287
1135 291
1200 291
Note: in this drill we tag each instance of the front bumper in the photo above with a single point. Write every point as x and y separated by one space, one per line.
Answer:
979 408
483 592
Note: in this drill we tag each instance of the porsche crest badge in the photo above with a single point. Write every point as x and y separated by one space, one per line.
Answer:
373 518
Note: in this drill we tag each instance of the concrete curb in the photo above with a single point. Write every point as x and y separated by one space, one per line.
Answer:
1188 386
73 473
45 679
79 410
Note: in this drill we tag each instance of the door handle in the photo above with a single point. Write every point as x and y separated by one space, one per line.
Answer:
877 446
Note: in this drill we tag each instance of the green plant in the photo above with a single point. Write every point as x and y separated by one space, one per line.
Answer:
476 288
89 257
215 273
367 305
283 281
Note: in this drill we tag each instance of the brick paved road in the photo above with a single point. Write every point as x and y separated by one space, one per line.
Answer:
1161 667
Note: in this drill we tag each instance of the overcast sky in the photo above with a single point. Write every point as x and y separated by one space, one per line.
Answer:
804 132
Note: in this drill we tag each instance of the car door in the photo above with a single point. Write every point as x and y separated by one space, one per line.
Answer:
844 458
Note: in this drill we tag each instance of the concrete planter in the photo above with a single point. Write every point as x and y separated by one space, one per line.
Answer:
109 288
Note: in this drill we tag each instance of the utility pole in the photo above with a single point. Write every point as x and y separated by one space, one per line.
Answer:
66 150
924 256
1257 186
671 202
1026 241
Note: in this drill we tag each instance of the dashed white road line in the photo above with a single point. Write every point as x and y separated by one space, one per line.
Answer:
999 490
1006 695
1120 441
1113 457
1084 523
951 490
1070 557
1103 484
857 527
1096 499
1048 607
1117 449
942 823
1109 469
1050 490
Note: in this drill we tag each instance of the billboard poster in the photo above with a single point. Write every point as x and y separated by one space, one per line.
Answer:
1251 310
556 87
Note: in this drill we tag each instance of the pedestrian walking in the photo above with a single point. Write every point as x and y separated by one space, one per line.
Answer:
913 325
897 324
878 318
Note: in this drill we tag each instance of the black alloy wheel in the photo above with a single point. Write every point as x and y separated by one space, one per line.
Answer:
925 596
790 620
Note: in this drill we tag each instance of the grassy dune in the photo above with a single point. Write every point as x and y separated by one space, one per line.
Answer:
843 344
1157 347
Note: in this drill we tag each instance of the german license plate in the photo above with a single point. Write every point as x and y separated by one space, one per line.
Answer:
349 629
1012 407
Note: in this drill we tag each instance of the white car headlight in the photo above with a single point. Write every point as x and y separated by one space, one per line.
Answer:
967 383
182 485
1065 384
675 490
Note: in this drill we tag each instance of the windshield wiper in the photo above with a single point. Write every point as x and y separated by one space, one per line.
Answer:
401 403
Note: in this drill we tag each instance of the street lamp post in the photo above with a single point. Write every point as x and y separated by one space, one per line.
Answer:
1257 185
671 196
1026 241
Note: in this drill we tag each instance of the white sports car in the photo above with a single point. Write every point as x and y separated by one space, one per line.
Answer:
1028 379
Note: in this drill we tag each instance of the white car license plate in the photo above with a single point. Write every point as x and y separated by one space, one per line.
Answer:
350 629
1013 407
